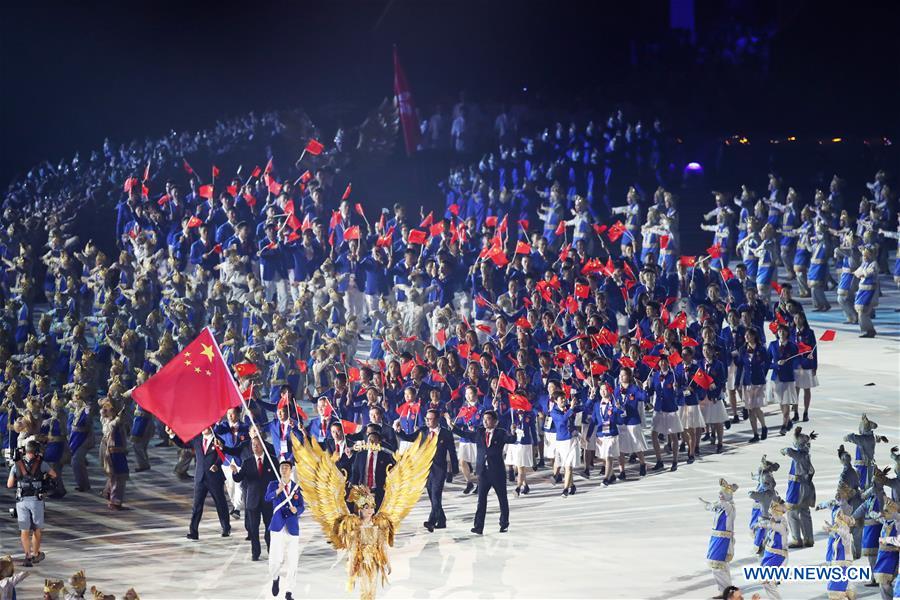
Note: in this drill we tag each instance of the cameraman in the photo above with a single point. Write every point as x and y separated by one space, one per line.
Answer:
29 476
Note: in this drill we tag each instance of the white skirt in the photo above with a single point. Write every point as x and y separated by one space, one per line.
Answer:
783 393
549 441
691 417
467 452
608 446
754 396
666 422
731 381
713 411
566 452
806 379
519 455
631 439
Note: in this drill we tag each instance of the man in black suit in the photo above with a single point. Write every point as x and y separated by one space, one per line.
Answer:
489 441
376 422
437 475
208 478
256 472
369 467
340 446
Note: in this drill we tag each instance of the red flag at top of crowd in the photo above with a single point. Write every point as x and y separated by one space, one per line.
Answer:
193 390
405 107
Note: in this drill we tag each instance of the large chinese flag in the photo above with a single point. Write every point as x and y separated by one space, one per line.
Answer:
406 108
192 391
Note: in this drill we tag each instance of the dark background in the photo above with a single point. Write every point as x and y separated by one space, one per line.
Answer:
74 73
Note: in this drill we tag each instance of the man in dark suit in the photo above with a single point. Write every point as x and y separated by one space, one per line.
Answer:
256 473
340 446
437 475
489 441
369 467
208 478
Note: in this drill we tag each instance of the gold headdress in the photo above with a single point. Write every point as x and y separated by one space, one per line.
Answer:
844 491
727 488
844 519
98 595
131 595
78 581
361 496
53 587
889 510
777 508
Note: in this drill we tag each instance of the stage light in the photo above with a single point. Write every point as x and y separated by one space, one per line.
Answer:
792 138
694 166
837 140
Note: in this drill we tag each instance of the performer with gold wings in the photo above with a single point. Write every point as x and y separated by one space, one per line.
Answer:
365 534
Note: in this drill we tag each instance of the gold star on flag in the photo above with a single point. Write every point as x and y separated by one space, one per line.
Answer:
187 362
207 351
196 369
208 372
187 354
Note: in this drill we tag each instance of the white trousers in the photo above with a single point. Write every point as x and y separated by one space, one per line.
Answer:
284 549
234 489
722 577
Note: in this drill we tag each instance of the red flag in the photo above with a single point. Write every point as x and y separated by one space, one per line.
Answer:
417 236
689 342
193 390
828 335
523 224
490 221
679 322
187 167
727 275
306 176
519 402
523 248
359 210
147 172
194 221
466 412
314 147
274 187
352 233
436 230
441 336
250 199
616 230
598 229
501 228
248 393
714 251
347 191
498 256
626 361
687 261
651 360
349 427
564 252
257 171
405 107
663 242
245 369
561 228
702 379
485 328
507 382
674 358
163 199
582 290
301 365
205 191
407 367
598 368
523 323
353 374
215 171
803 348
463 350
129 183
217 248
387 239
776 286
453 209
428 220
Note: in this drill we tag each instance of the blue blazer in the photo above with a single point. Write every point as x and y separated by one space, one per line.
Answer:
283 518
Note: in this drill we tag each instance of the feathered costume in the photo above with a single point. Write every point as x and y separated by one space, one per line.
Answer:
323 490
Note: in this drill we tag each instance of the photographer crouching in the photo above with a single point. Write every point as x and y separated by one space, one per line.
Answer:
32 478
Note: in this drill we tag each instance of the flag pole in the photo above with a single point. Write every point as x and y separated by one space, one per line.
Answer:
247 408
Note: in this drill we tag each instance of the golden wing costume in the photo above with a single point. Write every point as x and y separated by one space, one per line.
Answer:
366 541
